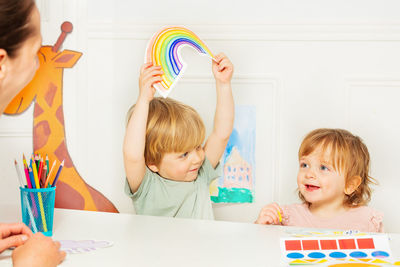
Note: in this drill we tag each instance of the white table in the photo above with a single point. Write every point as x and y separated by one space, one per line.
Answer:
159 241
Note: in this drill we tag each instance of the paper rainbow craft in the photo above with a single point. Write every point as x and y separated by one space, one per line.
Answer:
164 50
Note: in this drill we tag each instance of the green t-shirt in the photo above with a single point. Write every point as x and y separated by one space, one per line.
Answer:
162 197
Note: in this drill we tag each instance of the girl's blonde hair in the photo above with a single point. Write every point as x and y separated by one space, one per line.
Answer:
349 156
172 127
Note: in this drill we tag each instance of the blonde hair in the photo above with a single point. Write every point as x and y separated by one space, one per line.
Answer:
172 127
349 156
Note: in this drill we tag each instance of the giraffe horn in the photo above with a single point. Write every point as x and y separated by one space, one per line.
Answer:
66 28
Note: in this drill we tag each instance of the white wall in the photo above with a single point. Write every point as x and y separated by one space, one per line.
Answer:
303 64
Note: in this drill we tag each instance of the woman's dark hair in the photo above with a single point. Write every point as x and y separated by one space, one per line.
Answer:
14 24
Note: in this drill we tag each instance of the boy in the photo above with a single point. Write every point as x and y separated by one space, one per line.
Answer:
167 168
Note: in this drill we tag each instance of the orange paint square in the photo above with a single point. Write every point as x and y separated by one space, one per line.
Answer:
347 244
292 244
365 243
328 244
310 245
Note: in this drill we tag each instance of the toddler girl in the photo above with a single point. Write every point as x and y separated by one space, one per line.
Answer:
333 182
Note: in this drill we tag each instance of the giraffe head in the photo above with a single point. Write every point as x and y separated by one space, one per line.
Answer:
49 74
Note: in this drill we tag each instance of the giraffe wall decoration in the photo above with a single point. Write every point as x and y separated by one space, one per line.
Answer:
46 92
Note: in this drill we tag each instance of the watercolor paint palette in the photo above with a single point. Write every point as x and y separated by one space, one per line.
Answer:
324 250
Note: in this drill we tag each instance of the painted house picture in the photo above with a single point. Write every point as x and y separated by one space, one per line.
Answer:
236 185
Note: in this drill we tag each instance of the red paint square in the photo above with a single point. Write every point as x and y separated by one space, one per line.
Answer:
347 244
365 243
328 244
292 244
310 245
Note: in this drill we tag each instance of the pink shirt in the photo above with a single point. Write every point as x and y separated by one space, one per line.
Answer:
363 218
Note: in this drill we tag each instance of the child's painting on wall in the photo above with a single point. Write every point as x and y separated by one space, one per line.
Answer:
236 185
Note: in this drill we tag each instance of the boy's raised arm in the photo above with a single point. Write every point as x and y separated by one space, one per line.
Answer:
135 135
224 112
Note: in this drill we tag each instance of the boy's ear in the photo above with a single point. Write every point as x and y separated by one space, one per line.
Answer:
153 167
3 58
352 184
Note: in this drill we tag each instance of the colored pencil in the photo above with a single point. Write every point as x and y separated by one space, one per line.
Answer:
18 173
43 176
40 170
33 187
21 181
28 180
24 161
25 198
280 216
37 162
39 197
58 174
42 211
48 176
32 162
35 230
32 178
35 174
47 164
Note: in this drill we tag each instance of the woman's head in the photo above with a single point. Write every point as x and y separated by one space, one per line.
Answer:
348 156
172 127
20 40
15 26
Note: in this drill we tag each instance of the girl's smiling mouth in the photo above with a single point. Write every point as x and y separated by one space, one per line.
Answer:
310 187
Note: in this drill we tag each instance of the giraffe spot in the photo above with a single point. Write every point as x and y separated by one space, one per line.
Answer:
102 203
68 198
38 110
51 92
41 134
62 154
64 58
60 115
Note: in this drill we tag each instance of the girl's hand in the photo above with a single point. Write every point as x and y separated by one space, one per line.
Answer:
222 69
149 75
269 214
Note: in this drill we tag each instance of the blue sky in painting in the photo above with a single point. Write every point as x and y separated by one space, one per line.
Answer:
243 136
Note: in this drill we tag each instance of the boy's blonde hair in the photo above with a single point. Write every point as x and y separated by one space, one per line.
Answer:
349 156
172 127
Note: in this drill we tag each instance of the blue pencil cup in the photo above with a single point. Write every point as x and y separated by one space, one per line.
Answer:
37 206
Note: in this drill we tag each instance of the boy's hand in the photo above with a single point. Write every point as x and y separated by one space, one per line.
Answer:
270 214
149 75
222 68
